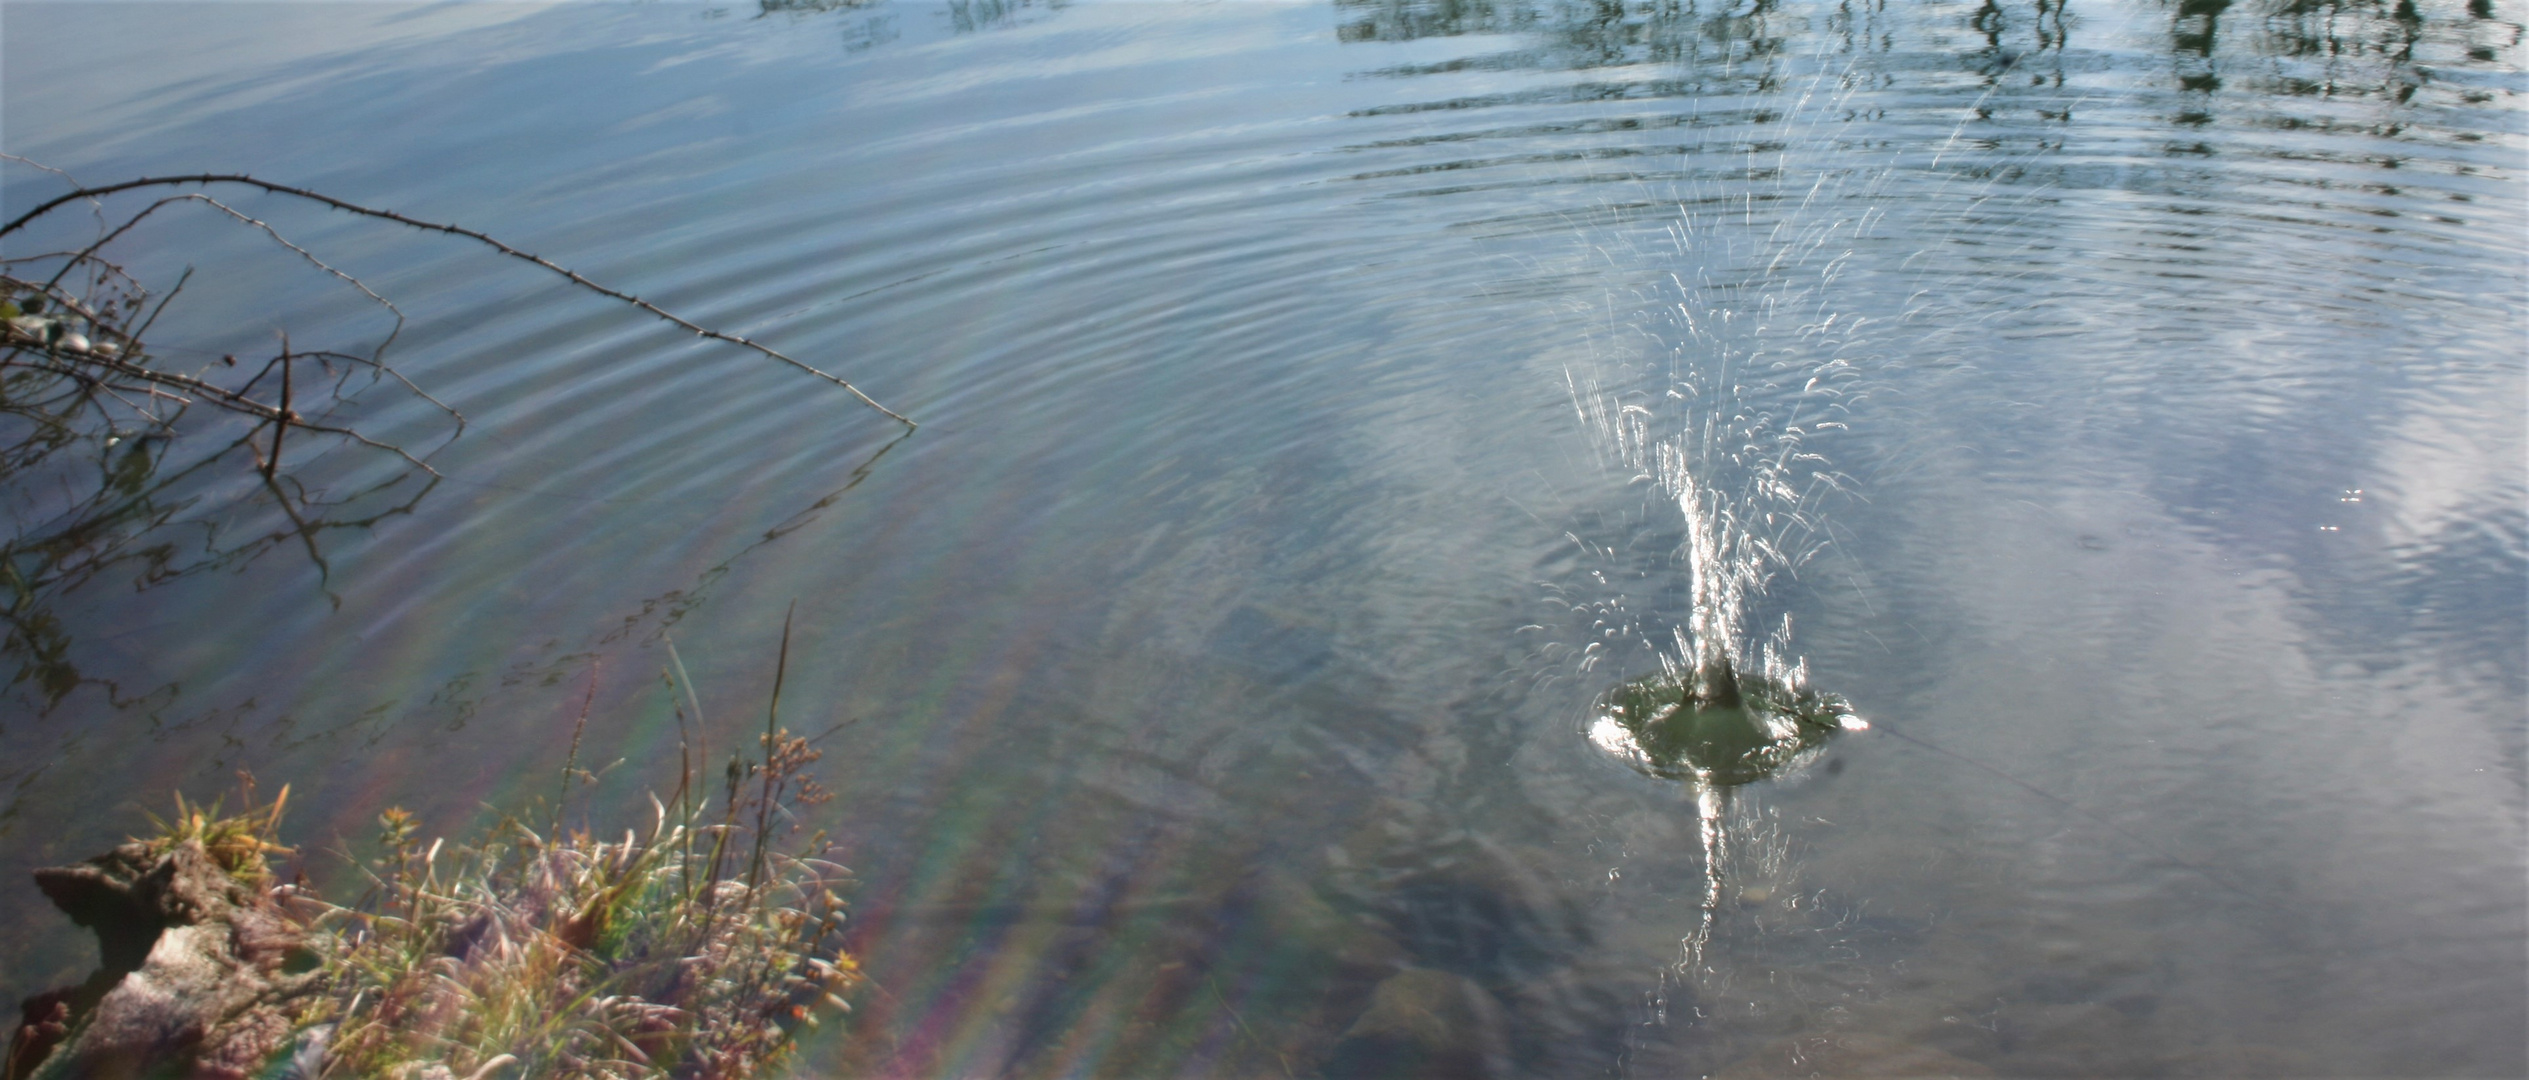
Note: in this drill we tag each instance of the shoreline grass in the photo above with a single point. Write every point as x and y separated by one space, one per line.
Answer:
697 947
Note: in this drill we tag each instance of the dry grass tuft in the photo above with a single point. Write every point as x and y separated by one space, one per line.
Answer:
694 949
652 955
663 953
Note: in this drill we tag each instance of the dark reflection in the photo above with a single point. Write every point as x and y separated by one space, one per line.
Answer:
2197 26
970 16
177 536
1563 34
458 699
1407 20
2329 48
98 505
2327 28
1727 59
1988 20
1732 61
2193 31
2015 36
766 8
659 614
867 24
2050 24
1573 35
870 23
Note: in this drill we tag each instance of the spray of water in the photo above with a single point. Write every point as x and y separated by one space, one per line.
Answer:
1757 368
1753 360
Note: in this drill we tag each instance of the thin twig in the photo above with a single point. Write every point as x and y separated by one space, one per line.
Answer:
573 760
307 536
772 735
241 403
163 301
96 206
453 230
281 416
320 264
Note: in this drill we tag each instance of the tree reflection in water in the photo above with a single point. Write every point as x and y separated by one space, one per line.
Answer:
1599 33
868 24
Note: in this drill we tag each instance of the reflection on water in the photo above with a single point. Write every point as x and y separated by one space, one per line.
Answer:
969 16
122 468
867 24
1327 407
143 518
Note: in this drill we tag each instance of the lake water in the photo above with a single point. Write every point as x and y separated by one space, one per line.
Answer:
2121 405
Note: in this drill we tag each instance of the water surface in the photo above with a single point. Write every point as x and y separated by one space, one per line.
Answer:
2122 403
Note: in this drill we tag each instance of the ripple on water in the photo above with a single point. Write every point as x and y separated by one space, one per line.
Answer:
1269 357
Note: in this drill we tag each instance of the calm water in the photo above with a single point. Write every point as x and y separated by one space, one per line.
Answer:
2124 405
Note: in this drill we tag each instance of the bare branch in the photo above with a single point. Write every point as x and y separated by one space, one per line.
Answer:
453 230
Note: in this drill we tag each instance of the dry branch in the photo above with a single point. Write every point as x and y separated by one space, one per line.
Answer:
453 230
94 477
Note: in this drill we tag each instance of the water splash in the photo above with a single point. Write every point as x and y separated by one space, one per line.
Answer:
1760 366
1750 367
1716 730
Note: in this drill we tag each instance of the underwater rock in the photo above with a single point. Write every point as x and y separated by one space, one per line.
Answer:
1499 913
191 981
2248 1062
1424 1025
1297 914
1717 725
2074 1039
1483 910
1853 1055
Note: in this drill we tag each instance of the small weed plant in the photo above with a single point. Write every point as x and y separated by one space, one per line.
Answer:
692 950
237 842
695 948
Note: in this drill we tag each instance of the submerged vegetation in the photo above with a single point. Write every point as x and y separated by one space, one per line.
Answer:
693 949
